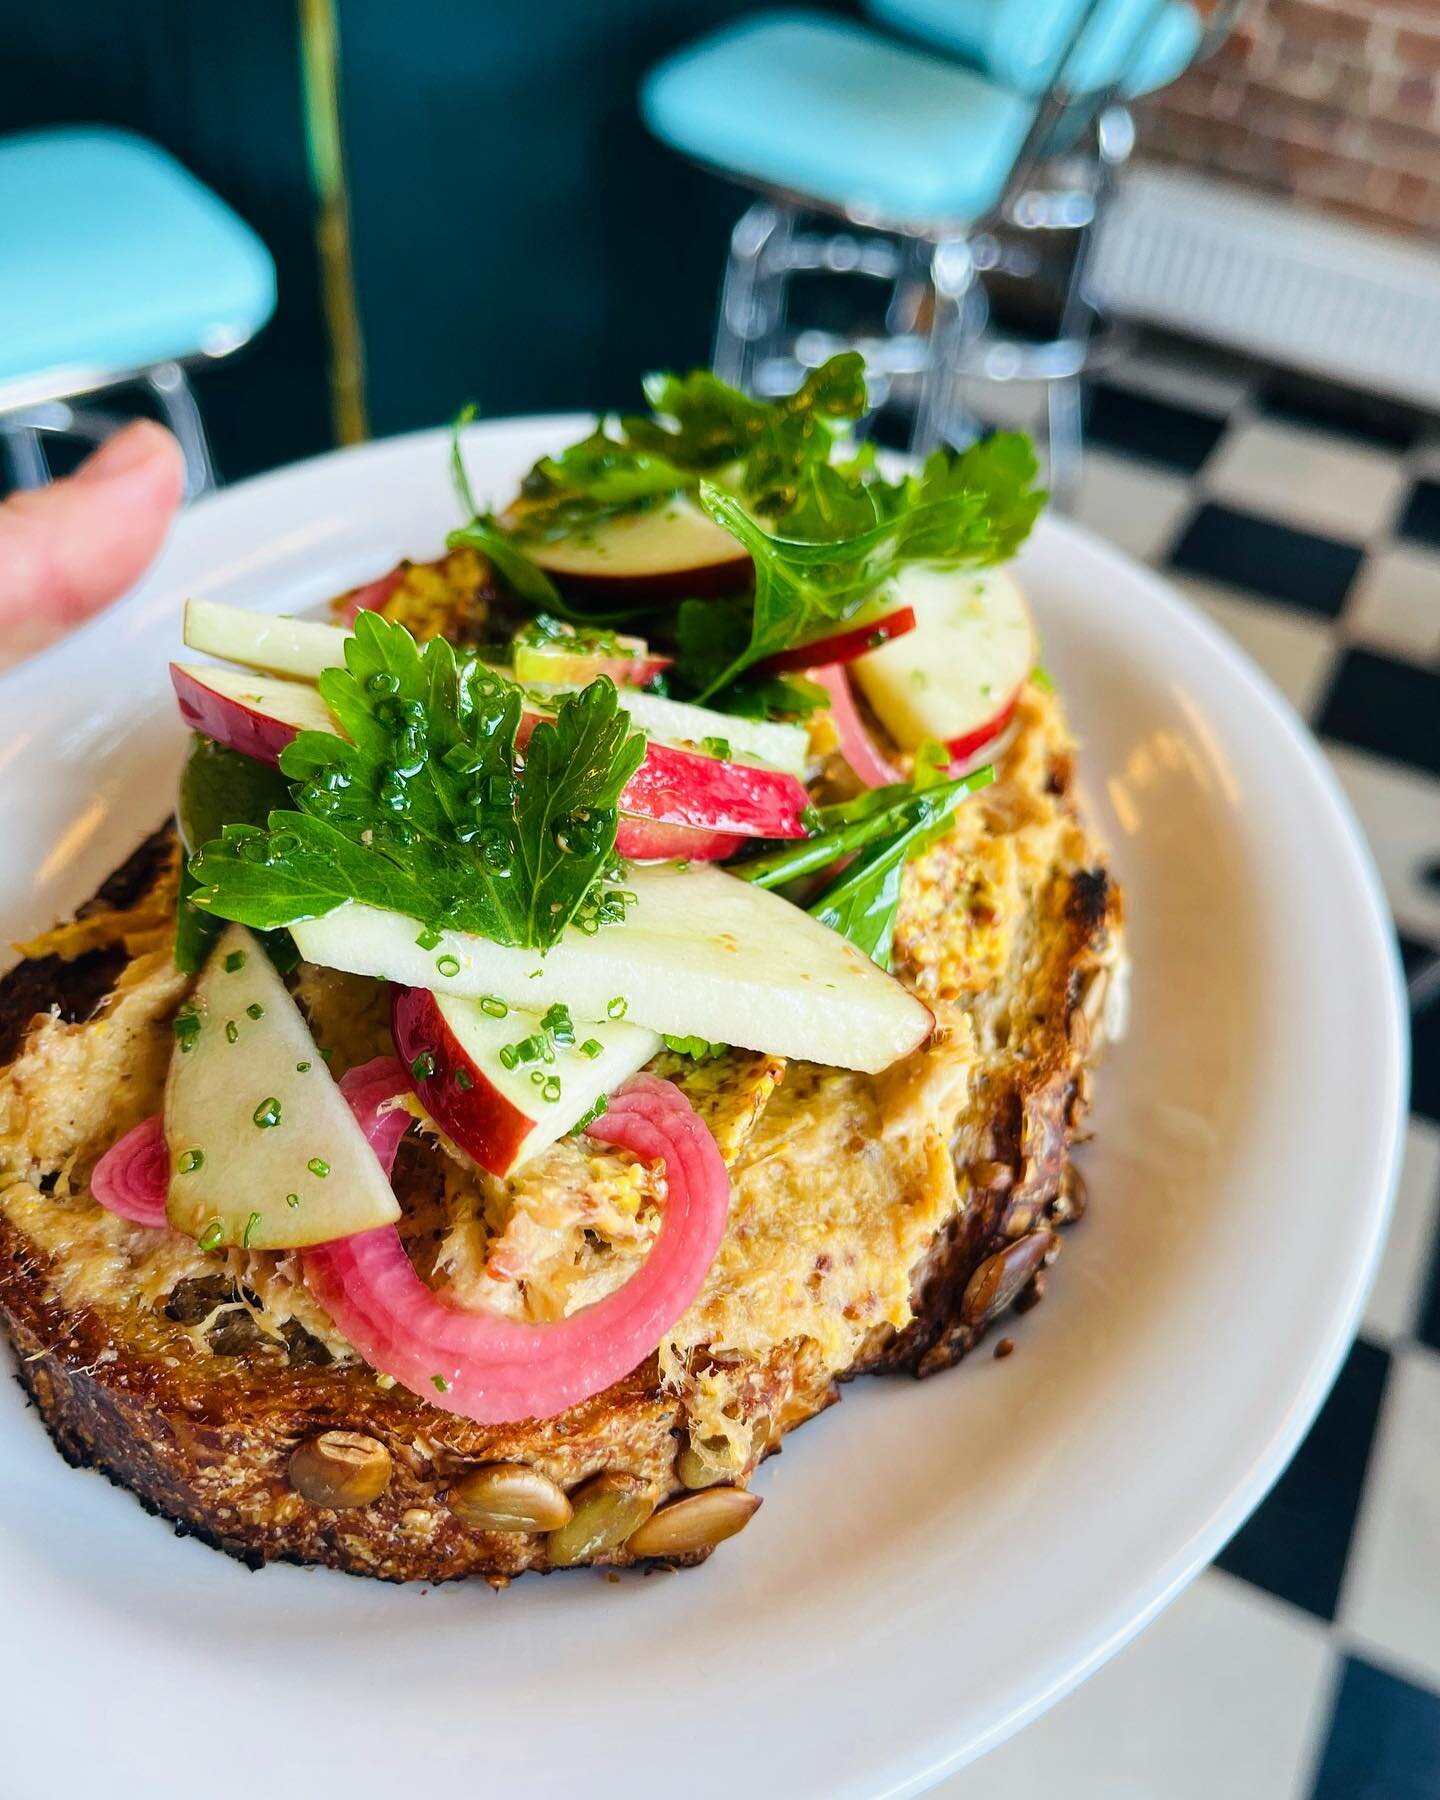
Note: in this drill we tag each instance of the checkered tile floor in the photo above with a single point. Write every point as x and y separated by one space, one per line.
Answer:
1306 1664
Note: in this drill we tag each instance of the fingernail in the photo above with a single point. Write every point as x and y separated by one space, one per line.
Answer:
134 444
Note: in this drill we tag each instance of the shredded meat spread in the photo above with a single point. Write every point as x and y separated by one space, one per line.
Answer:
839 1180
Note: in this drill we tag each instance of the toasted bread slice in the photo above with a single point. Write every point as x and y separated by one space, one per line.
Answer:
877 1223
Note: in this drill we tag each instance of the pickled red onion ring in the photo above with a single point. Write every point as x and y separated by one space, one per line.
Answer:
497 1371
369 1090
856 745
132 1178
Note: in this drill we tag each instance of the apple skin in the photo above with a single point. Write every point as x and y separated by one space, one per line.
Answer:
963 748
670 552
650 840
230 721
841 646
480 1119
686 787
372 596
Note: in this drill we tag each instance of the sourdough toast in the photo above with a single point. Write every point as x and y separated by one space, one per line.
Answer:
877 1223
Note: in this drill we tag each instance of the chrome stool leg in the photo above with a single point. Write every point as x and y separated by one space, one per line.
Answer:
959 318
168 384
752 300
23 451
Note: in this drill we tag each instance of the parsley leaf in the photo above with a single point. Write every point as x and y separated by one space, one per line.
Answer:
964 510
424 809
881 831
217 786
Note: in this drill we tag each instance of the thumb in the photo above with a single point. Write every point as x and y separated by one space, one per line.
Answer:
68 549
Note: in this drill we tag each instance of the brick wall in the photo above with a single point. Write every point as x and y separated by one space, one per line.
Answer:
1335 102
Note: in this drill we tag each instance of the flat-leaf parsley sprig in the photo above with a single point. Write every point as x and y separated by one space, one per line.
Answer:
427 809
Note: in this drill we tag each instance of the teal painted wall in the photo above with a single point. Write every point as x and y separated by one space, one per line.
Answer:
517 237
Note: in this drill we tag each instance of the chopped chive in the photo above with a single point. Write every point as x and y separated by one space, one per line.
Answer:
302 1068
232 1031
717 746
428 939
317 1165
255 1010
551 1088
210 1237
448 965
292 1199
509 1056
235 960
250 1225
618 1007
589 1118
267 1113
186 1026
463 1081
592 1047
190 1161
423 1066
493 1008
440 1383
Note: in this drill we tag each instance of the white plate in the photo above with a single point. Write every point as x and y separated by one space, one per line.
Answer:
935 1562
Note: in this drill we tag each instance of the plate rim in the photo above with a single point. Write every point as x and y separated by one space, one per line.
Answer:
928 1758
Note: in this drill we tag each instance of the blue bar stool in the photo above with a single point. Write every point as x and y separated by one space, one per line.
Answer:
930 157
116 267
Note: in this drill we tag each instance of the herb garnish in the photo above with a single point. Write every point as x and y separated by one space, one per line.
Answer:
881 831
425 810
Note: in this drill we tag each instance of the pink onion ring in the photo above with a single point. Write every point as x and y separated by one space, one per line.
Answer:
369 1090
132 1178
497 1371
856 745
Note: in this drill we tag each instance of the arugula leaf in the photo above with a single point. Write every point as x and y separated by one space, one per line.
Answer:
422 811
965 510
881 830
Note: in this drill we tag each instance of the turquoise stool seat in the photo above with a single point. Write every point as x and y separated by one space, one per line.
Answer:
116 259
810 105
1022 44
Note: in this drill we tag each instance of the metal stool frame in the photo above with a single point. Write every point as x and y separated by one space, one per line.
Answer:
941 267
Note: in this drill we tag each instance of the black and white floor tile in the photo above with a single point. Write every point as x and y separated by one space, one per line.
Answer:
1306 1664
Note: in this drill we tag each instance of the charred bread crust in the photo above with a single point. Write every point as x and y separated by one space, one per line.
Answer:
205 1441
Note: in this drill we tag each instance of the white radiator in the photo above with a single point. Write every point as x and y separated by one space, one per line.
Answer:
1264 276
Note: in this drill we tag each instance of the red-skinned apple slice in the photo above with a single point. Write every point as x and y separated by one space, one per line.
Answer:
650 840
257 715
687 787
842 646
501 1116
665 552
371 597
567 663
956 677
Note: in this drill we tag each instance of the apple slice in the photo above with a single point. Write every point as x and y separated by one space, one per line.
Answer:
457 1051
372 595
955 678
568 658
265 1151
666 552
254 714
862 634
279 646
680 723
649 840
700 954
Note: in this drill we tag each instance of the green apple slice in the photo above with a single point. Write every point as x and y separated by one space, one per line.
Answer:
700 954
265 1151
